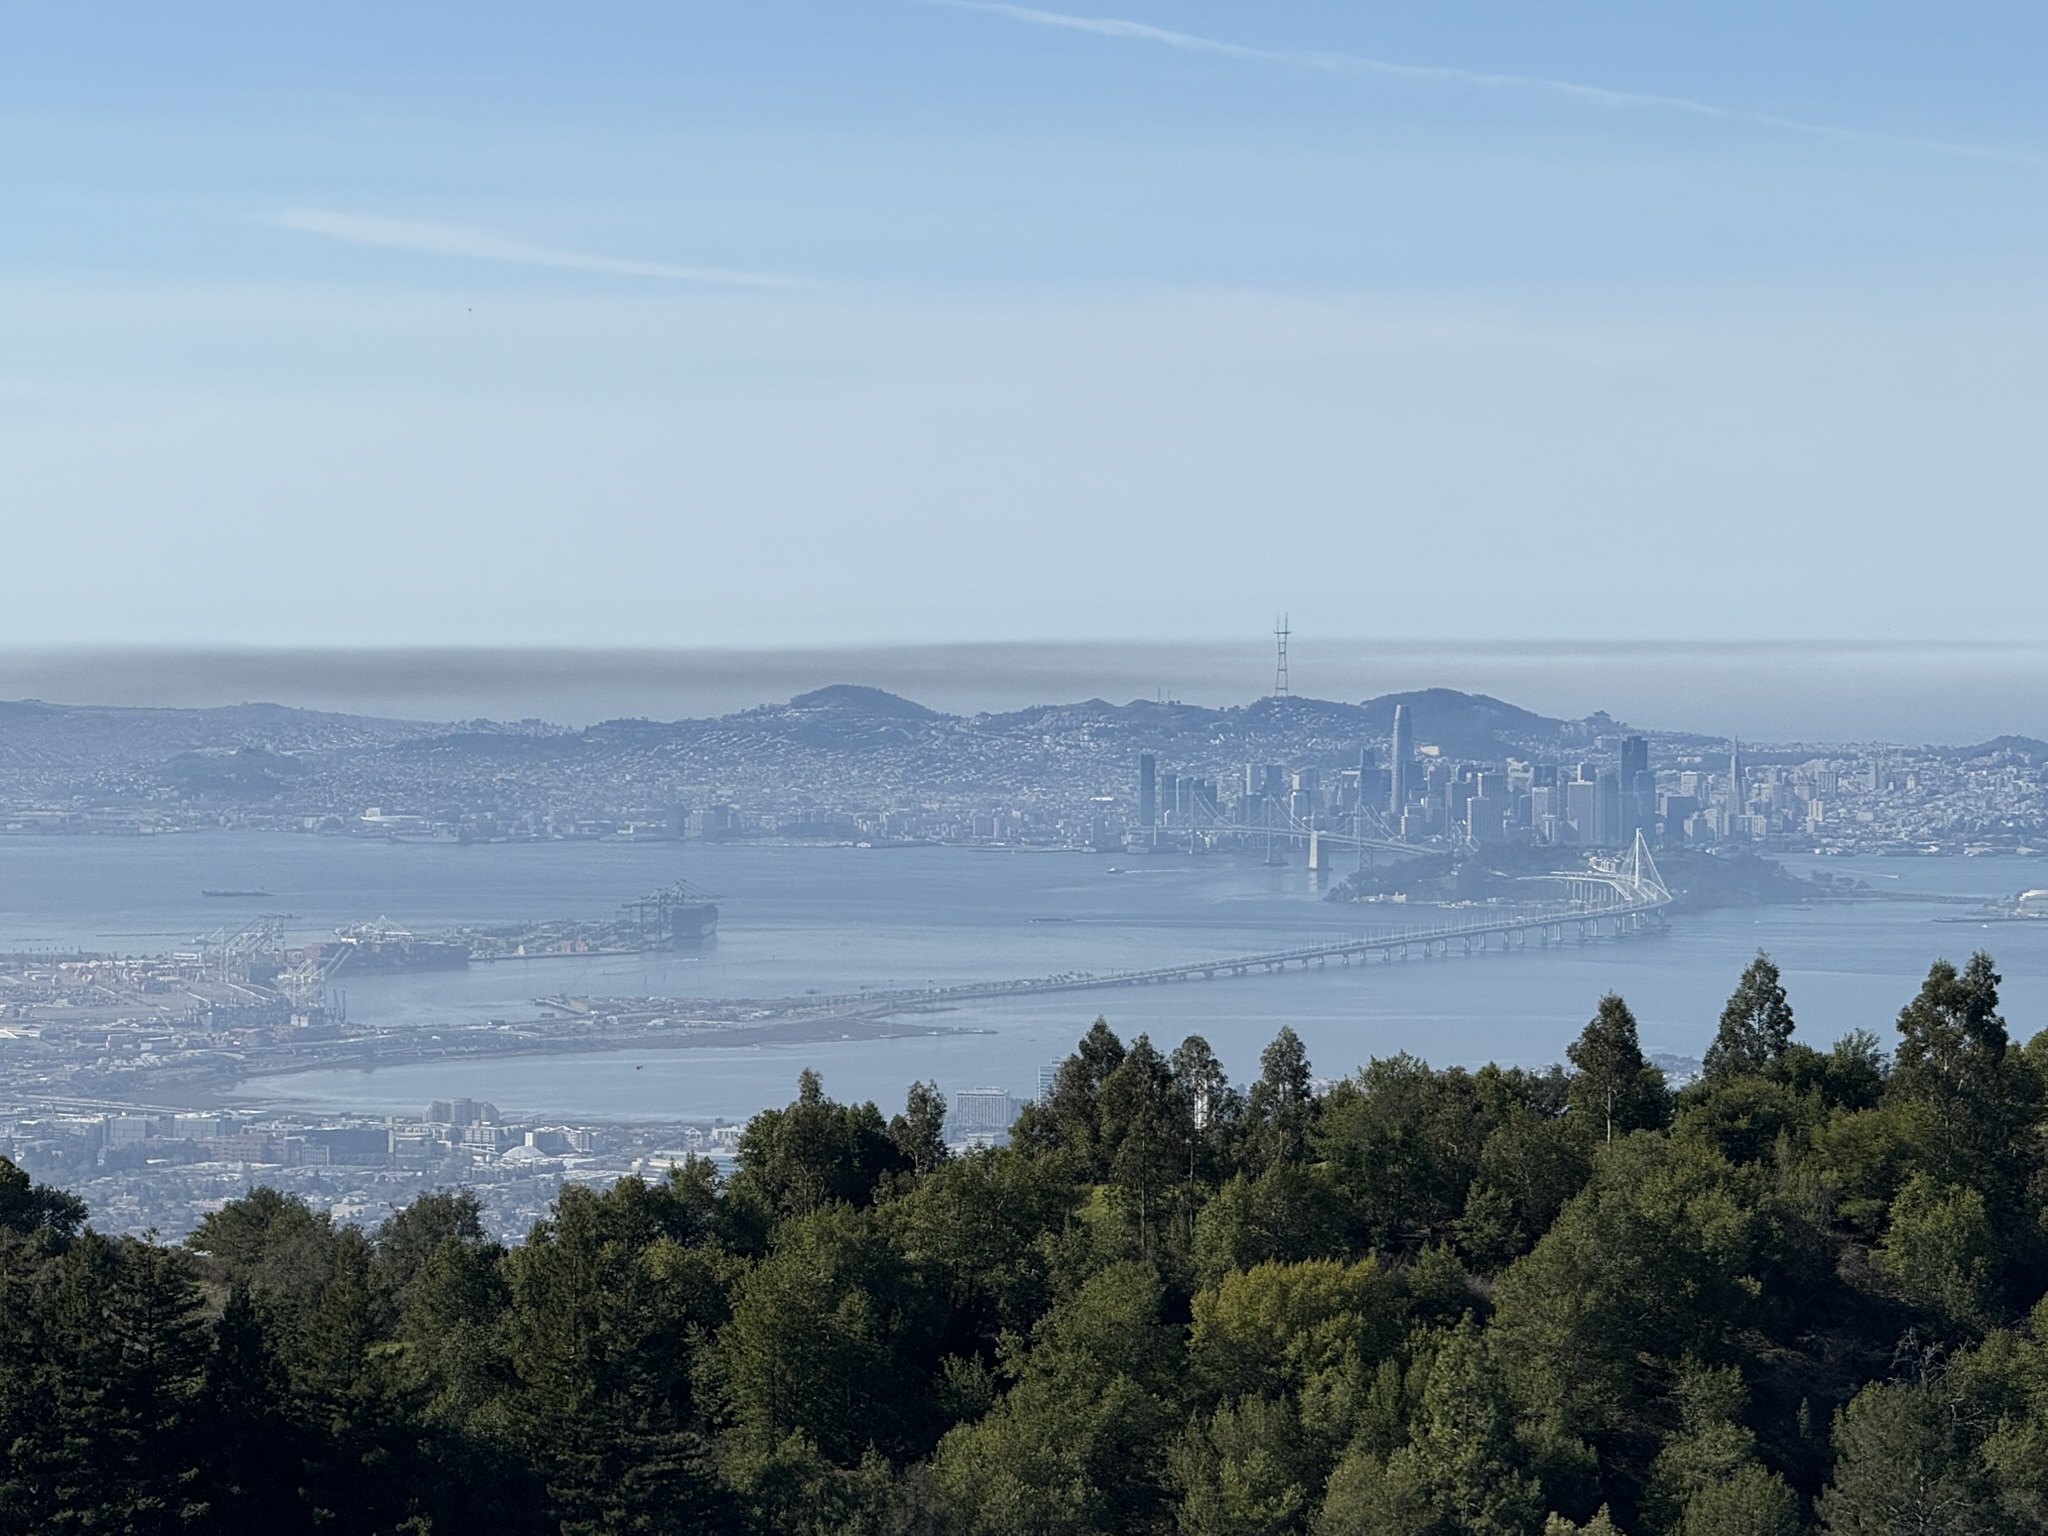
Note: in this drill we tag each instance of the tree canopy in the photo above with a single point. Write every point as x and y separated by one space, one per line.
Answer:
1803 1293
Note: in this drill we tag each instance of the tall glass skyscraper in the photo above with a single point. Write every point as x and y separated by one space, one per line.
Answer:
1402 762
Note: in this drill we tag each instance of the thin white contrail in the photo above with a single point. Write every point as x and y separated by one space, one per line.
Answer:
1437 74
484 245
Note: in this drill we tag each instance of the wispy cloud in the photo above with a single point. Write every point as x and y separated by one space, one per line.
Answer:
484 245
1436 74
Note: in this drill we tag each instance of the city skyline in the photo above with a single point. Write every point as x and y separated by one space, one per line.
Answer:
1433 768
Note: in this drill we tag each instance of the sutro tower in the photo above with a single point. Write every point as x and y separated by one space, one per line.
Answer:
1280 634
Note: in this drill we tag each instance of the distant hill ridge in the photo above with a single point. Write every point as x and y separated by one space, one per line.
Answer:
850 717
838 717
2032 748
859 698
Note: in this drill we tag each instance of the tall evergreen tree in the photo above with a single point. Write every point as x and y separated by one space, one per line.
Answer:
794 1160
920 1131
1148 1132
29 1208
1952 1063
1708 1480
1756 1026
1614 1088
1901 1468
610 1302
1069 1119
831 1339
1213 1105
255 1453
1279 1109
131 1354
409 1237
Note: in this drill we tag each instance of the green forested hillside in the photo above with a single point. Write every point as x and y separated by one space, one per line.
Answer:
1801 1293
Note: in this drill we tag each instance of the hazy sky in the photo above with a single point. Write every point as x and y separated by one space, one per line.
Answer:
890 322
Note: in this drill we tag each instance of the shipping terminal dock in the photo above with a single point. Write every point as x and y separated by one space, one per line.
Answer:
678 916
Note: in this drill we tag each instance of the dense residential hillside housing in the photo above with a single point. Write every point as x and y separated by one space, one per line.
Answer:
850 763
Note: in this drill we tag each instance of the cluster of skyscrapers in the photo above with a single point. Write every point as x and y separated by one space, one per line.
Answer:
1422 794
1593 804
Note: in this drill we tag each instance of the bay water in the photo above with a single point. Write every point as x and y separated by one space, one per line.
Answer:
839 919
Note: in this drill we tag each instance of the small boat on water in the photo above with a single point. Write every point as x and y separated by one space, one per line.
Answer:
218 894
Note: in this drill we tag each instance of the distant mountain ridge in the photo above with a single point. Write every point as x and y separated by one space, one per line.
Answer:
841 717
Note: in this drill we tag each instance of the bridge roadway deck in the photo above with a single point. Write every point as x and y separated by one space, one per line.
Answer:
1388 946
1622 894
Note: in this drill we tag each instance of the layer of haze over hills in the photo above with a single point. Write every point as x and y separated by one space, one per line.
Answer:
1774 691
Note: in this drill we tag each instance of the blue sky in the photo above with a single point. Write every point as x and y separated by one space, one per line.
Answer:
897 322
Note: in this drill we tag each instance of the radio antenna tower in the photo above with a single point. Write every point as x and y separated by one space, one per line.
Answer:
1280 634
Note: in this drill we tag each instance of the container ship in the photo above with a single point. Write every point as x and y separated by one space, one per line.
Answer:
693 922
385 948
677 916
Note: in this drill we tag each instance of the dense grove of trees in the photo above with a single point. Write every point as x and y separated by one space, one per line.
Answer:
1804 1293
